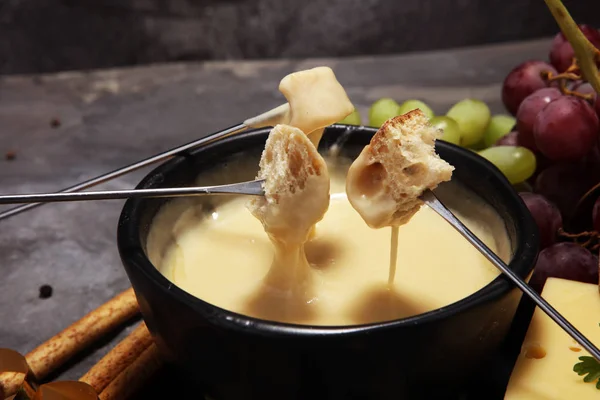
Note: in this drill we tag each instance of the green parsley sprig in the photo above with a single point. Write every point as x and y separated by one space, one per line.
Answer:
589 367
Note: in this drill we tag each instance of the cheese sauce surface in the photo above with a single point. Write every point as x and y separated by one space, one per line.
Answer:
222 256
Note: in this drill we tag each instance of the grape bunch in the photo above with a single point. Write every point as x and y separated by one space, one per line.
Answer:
557 118
547 146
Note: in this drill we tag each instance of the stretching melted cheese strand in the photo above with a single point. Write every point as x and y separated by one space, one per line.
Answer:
316 100
393 254
296 198
385 181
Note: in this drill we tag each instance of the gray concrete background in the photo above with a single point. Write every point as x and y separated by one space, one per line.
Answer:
55 35
112 118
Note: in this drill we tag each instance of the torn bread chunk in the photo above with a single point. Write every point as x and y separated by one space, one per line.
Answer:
385 181
296 186
316 100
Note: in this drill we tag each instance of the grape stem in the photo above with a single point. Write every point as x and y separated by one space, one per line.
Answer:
569 75
591 239
586 54
569 92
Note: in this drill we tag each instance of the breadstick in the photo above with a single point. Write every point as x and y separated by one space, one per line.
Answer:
134 376
55 352
118 359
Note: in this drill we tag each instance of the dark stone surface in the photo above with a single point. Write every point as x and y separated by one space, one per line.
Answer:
112 118
57 35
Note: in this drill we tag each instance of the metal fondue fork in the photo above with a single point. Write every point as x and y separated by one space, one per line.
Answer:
253 188
269 118
436 205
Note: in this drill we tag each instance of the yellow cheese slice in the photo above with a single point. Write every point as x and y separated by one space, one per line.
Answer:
544 369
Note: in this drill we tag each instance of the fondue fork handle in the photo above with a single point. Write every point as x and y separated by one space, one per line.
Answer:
434 203
269 118
130 168
253 188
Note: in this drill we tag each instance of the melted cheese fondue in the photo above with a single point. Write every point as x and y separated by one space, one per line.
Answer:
222 255
278 267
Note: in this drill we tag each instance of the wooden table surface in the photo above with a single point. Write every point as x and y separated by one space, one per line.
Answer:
72 126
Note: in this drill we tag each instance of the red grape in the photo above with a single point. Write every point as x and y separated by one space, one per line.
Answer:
510 139
564 184
583 87
586 88
593 159
566 261
546 216
515 138
566 129
528 111
558 40
572 85
541 163
596 215
522 81
561 51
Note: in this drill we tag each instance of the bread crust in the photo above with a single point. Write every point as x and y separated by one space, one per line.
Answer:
296 186
384 183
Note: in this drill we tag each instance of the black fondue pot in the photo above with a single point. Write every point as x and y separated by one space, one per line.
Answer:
236 357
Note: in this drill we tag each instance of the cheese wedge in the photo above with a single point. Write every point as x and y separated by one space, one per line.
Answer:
544 369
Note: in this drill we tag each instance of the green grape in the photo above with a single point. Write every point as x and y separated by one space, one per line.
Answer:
499 126
516 163
410 105
449 126
473 117
382 110
352 119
